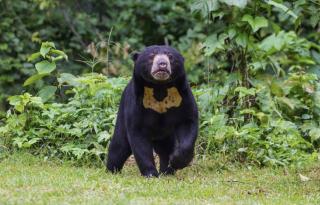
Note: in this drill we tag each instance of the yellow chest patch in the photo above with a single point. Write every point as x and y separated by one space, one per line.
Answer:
173 99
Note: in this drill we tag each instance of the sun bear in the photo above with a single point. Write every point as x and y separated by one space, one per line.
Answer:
158 113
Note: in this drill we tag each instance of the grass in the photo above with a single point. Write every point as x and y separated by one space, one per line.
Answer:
25 179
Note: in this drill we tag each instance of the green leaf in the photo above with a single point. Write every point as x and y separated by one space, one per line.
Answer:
213 44
242 149
47 92
205 7
306 117
255 23
103 136
34 78
316 56
273 43
243 91
37 101
46 47
242 39
287 101
68 78
264 119
315 134
232 33
45 67
34 56
14 100
60 53
283 8
237 3
17 102
18 141
315 19
48 44
248 18
30 142
276 89
260 22
44 51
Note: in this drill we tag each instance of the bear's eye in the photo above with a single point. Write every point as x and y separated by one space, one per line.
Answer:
152 54
151 57
170 56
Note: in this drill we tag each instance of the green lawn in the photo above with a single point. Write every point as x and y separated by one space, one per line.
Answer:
25 179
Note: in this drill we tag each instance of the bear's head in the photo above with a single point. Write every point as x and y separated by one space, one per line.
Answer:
158 64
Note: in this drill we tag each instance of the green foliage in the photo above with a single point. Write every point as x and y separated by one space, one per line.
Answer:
78 129
76 26
268 137
21 101
45 67
256 65
81 128
264 102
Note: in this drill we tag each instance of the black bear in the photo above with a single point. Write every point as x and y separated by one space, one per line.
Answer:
157 113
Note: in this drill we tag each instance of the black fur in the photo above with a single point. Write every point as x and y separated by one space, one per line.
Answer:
141 131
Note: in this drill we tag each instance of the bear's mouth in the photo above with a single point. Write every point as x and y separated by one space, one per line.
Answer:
161 74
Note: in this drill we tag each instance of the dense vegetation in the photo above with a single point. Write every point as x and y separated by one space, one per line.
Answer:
254 67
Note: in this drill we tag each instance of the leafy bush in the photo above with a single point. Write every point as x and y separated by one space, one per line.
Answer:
78 129
81 128
264 138
255 63
263 104
76 26
278 128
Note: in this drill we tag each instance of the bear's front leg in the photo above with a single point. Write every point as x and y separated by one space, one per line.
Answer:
142 150
164 148
183 153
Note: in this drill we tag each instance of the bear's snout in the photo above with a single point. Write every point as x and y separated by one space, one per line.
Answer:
161 67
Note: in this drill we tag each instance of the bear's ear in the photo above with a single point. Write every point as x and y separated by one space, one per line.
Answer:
134 56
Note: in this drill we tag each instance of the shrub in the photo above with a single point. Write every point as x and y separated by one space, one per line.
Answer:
78 129
263 81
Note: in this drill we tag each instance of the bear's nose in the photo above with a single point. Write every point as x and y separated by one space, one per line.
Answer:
162 64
